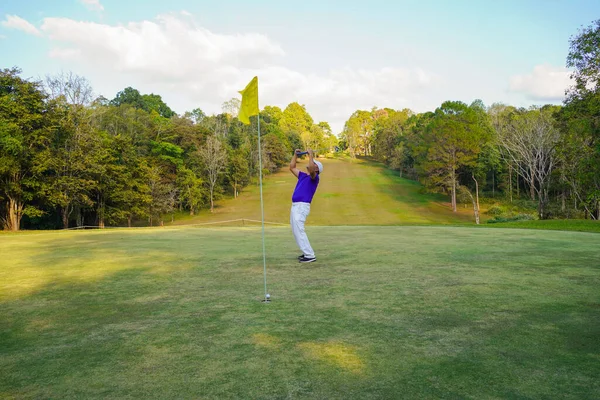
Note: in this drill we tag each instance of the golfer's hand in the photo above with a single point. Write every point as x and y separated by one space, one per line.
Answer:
298 151
311 153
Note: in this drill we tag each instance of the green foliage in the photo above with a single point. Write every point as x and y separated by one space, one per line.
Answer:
146 102
129 159
495 210
26 126
518 217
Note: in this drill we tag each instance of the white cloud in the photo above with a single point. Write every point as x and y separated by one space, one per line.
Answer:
93 5
2 37
18 23
191 67
544 83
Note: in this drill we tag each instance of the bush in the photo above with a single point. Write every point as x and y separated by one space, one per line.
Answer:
496 211
518 217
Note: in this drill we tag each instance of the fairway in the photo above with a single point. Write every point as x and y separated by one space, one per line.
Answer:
351 192
386 312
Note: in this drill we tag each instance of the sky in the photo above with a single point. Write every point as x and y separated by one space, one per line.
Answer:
334 57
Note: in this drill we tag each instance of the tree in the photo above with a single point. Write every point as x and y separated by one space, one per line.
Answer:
238 171
388 135
296 122
70 162
529 140
357 132
190 188
26 122
153 102
146 102
232 107
129 96
75 89
214 156
163 194
581 114
452 140
196 115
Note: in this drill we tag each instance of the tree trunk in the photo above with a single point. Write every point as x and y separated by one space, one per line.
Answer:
532 188
453 189
64 212
129 221
477 197
510 182
15 213
79 218
212 204
475 203
100 212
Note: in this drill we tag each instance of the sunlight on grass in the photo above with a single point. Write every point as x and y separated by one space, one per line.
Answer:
336 353
266 341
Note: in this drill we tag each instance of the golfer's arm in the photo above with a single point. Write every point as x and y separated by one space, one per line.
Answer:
311 164
311 161
293 168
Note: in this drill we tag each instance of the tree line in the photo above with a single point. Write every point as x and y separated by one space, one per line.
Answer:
68 158
547 154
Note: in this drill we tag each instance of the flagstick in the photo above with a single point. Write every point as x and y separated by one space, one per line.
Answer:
262 210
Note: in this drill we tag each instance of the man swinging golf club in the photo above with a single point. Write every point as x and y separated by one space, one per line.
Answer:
301 199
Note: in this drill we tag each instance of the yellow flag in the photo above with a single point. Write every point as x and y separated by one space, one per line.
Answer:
249 105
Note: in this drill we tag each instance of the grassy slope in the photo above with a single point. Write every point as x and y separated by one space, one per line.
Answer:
350 193
415 312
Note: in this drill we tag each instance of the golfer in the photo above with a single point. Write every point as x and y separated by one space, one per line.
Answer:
301 199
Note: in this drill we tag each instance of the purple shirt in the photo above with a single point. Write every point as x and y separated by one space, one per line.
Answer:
305 188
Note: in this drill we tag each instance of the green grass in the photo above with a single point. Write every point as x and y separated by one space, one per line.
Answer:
351 192
386 312
578 225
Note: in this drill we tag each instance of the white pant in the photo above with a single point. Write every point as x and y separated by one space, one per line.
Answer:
297 218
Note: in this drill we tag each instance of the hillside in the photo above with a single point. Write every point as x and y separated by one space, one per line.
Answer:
351 192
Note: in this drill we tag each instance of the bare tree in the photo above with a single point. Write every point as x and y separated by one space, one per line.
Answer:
75 89
232 107
528 140
214 156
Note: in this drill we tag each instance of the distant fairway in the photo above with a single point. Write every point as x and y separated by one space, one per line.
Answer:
350 193
386 312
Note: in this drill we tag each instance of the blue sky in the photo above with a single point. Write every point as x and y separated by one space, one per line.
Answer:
334 57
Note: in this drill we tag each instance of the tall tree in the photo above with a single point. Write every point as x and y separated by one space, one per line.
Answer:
581 114
238 171
529 139
214 156
70 162
25 127
75 89
453 139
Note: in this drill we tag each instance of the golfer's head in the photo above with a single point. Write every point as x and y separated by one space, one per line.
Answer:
316 167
